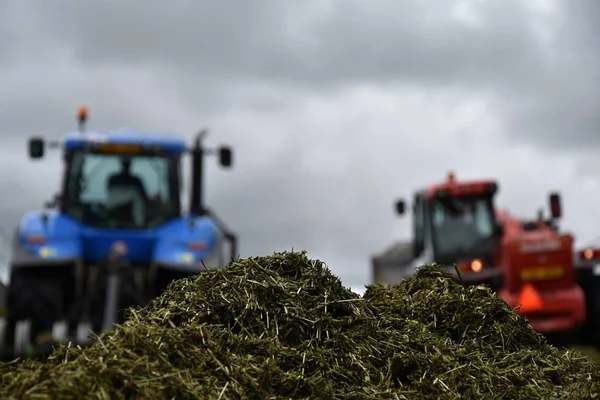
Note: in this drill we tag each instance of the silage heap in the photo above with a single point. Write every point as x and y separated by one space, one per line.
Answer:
284 327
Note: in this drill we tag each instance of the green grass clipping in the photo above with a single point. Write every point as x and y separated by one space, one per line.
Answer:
284 327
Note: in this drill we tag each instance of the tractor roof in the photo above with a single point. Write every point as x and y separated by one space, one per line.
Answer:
171 144
461 188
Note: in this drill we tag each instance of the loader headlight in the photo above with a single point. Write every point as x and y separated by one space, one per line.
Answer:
476 266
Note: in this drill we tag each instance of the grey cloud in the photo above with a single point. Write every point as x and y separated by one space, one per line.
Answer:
562 113
211 53
354 42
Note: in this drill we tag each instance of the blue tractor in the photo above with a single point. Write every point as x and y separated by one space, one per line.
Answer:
114 237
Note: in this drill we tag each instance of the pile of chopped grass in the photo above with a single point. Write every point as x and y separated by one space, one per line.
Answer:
284 327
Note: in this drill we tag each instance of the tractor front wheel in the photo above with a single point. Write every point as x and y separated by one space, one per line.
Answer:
32 298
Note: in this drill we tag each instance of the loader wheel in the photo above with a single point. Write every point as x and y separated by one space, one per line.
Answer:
37 300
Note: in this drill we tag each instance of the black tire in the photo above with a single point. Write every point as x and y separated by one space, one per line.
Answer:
39 300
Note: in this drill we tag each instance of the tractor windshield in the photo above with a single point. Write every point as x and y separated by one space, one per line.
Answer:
462 224
121 191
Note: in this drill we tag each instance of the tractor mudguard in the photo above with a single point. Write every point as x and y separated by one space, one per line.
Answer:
190 244
45 239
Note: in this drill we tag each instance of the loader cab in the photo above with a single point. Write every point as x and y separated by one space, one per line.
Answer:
454 221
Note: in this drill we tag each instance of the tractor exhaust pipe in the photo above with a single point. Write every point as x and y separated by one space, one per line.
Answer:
196 187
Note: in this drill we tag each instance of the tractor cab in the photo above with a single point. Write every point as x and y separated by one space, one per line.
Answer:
126 179
126 185
120 186
454 221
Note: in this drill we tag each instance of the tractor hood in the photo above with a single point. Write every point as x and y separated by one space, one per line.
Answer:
55 237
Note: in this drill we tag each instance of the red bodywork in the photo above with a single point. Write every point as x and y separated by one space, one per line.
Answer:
542 259
454 188
537 262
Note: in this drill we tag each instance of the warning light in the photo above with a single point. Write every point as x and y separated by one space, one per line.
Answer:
119 148
530 300
82 113
451 176
476 266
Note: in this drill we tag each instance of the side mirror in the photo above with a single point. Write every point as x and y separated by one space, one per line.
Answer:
400 207
225 156
36 147
555 206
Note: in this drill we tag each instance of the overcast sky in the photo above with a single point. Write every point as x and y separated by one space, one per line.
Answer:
334 108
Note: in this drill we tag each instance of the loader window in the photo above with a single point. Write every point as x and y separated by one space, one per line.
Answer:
122 192
460 224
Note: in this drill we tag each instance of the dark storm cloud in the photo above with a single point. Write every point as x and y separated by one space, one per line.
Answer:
208 48
299 43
